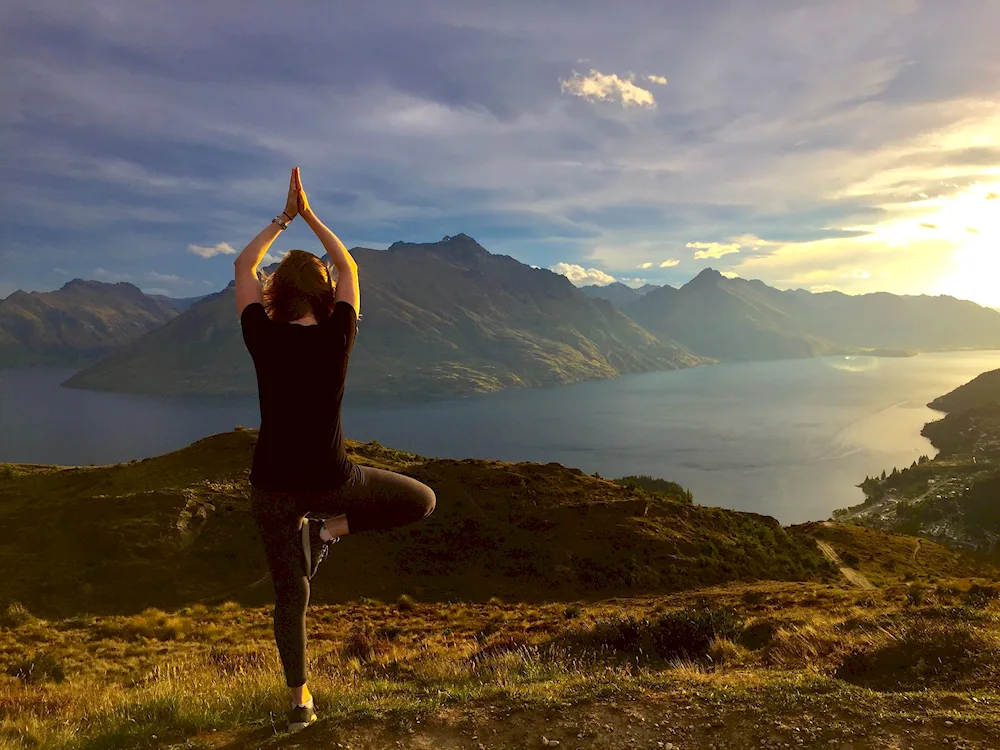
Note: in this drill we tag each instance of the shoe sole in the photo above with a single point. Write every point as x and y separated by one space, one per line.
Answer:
298 726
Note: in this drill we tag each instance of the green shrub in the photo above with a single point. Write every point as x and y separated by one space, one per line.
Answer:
979 597
363 643
405 603
919 656
37 668
15 616
655 486
685 633
916 594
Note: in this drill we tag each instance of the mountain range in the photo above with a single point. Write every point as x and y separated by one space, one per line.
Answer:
741 319
449 318
76 324
438 319
617 293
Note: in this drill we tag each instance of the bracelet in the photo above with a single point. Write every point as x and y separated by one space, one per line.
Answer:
280 224
287 216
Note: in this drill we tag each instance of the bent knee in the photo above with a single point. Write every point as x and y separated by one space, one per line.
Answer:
430 502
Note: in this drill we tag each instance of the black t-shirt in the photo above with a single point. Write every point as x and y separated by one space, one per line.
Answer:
301 371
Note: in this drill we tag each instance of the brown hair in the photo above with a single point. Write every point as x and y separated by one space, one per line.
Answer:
301 284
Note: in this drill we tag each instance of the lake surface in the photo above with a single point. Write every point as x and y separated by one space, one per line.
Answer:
789 439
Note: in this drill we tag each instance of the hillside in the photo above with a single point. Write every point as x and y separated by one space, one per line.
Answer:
180 304
740 319
75 324
983 390
951 498
174 530
439 319
536 602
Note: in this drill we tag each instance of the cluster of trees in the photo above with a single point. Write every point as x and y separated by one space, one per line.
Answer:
875 487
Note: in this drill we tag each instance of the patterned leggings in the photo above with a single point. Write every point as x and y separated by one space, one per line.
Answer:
373 500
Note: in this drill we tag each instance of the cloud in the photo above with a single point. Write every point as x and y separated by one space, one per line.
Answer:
608 87
713 249
223 248
970 230
647 264
992 196
669 263
166 278
157 290
60 272
270 258
824 288
579 275
657 79
927 225
103 274
857 273
730 274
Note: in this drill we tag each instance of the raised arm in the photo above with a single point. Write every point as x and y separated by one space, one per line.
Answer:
348 288
248 289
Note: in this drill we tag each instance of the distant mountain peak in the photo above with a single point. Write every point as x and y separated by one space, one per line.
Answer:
459 243
99 285
706 277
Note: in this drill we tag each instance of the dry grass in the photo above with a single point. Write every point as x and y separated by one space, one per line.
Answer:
106 682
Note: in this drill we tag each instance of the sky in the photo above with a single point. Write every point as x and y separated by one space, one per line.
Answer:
841 145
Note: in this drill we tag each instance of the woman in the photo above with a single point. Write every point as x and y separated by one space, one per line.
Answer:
299 329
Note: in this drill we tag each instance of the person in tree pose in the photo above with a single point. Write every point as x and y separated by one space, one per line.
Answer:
299 327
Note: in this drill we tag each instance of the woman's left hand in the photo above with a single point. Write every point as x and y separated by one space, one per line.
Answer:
292 204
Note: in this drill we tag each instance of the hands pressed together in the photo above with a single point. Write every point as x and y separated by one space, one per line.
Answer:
298 202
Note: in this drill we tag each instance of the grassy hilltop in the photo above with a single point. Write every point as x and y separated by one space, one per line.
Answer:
536 601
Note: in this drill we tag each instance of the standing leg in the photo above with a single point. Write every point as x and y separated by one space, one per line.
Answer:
278 521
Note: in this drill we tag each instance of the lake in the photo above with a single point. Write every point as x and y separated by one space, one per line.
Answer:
790 439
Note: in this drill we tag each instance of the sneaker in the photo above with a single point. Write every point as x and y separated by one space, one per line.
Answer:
313 547
299 717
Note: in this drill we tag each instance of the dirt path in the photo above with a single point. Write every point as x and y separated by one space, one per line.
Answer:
916 549
849 573
654 722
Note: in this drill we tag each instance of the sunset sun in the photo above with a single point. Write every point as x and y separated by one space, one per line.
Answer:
971 220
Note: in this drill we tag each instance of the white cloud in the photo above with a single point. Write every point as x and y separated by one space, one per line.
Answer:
730 274
580 275
157 290
857 273
824 288
167 278
608 87
657 79
713 249
645 265
270 258
223 248
669 263
103 274
60 271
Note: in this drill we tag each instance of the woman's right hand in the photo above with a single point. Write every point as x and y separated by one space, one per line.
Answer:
303 200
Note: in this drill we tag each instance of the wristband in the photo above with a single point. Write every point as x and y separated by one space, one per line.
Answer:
279 223
286 216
